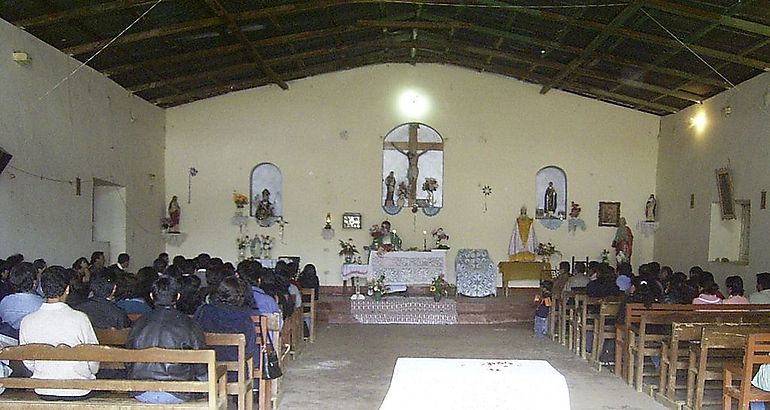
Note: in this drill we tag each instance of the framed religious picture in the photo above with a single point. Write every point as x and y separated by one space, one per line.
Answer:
351 220
725 190
609 213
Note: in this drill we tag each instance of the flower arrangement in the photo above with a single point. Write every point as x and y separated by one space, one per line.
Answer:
439 287
430 185
440 235
348 249
266 244
165 223
605 256
242 242
376 286
376 231
240 200
546 249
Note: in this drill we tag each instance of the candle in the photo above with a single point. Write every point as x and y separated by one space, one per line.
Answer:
425 240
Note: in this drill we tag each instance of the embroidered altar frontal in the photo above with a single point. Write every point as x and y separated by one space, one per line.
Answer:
405 310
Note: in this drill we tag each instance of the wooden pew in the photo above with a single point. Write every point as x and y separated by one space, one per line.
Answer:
116 391
244 365
586 314
265 386
719 344
309 312
757 349
626 332
604 329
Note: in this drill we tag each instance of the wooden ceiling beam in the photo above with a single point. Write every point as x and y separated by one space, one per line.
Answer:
723 19
413 24
81 12
251 51
616 22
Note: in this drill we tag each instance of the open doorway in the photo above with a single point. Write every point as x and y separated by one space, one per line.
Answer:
109 218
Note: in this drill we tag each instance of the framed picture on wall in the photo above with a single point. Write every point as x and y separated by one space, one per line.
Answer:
609 213
725 188
351 220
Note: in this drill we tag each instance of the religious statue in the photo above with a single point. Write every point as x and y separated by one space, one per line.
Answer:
650 209
624 240
174 214
390 189
549 200
413 172
413 148
264 207
384 239
522 247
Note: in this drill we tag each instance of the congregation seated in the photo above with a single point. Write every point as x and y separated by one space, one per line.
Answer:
133 293
605 283
579 280
762 296
707 291
168 328
100 307
55 323
734 285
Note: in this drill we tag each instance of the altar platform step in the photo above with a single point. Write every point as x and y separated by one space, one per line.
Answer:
333 306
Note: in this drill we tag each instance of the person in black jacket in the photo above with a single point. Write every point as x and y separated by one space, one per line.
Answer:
168 328
605 283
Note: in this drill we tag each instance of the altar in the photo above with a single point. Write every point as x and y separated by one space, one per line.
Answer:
408 268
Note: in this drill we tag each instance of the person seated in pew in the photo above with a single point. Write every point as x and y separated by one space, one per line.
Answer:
190 298
762 296
14 307
707 290
133 293
734 285
100 307
624 278
561 280
167 328
605 284
56 323
578 280
228 313
676 290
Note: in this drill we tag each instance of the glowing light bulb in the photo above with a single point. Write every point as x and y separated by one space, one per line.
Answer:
699 121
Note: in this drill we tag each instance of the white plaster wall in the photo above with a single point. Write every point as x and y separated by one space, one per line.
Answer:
89 127
686 165
325 133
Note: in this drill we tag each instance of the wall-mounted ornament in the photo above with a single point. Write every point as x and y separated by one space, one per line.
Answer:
725 190
552 224
692 201
351 220
575 221
190 174
763 200
486 191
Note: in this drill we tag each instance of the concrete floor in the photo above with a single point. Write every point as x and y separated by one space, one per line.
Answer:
350 366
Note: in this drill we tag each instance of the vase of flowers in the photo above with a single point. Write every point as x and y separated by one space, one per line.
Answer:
377 287
266 244
430 186
348 250
546 250
439 235
240 201
242 242
439 288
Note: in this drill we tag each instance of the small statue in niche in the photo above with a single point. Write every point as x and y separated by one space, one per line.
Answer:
549 200
174 215
650 209
264 207
390 189
574 211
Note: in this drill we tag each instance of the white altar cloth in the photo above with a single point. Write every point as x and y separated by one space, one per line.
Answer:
354 270
487 384
407 268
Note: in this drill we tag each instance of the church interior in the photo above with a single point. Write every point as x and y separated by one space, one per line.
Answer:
136 127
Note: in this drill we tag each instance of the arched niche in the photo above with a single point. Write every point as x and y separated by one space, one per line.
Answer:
551 180
266 182
412 169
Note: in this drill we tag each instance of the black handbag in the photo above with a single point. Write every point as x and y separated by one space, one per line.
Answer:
271 368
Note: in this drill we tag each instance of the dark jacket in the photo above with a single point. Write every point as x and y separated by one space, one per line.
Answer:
104 314
168 328
602 287
223 318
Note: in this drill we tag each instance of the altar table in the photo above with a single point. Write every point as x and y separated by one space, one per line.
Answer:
407 268
352 271
534 271
488 384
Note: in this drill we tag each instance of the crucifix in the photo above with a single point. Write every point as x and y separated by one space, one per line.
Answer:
410 150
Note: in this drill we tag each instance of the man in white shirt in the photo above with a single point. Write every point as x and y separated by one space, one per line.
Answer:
56 323
762 297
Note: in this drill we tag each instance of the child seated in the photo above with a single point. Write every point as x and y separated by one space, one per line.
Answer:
543 300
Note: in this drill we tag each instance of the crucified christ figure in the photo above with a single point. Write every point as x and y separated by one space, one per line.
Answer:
413 172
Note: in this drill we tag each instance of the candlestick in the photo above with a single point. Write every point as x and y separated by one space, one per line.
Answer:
425 240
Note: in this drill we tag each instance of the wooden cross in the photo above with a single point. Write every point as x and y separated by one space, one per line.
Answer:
409 149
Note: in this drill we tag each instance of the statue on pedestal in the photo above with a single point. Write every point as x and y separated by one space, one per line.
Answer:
650 209
549 200
522 247
624 240
390 189
384 238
